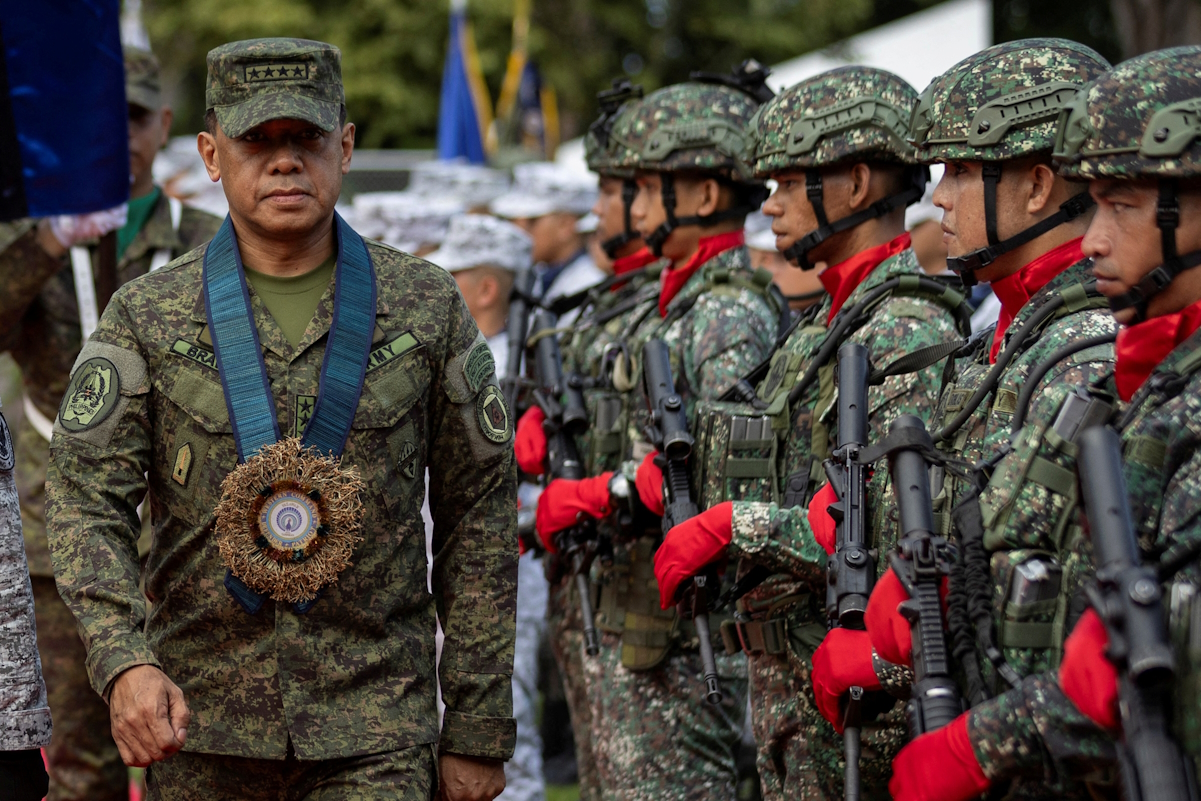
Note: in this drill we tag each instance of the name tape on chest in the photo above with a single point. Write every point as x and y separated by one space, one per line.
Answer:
194 352
391 351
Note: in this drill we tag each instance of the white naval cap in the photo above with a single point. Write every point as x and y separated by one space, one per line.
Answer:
404 220
542 188
474 240
758 232
471 184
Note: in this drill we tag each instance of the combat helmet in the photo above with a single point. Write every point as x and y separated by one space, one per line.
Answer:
998 105
850 114
1139 121
698 126
600 151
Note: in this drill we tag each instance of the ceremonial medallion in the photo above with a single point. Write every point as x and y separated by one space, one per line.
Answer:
288 520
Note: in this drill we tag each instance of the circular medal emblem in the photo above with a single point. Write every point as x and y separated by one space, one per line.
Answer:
289 520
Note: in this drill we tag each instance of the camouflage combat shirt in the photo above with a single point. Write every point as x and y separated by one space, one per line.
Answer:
39 326
356 674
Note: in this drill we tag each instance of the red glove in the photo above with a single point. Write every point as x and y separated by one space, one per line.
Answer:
564 501
842 661
649 483
889 632
530 443
823 526
939 766
1087 676
690 546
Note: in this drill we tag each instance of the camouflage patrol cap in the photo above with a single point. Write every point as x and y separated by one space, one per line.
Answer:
600 148
1003 102
847 114
142 85
257 80
1138 120
688 126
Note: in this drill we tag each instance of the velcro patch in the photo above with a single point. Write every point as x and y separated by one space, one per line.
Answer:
391 350
284 71
194 352
493 415
91 396
479 367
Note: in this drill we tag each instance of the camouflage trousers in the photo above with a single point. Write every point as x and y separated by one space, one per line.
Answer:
567 642
406 775
655 736
83 760
801 756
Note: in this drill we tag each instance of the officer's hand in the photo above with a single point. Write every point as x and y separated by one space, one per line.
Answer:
463 778
938 766
149 716
564 502
69 230
691 546
1087 676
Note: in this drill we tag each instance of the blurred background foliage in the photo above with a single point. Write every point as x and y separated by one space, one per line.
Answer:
393 49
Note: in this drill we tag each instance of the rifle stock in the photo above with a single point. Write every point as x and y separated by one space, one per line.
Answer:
669 433
577 543
921 560
1129 600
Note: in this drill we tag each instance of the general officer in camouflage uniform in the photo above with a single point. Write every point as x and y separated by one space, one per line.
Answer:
604 316
43 325
653 734
836 145
289 651
25 724
1009 220
1123 133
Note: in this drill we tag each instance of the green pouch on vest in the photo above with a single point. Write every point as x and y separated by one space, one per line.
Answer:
734 458
648 632
604 443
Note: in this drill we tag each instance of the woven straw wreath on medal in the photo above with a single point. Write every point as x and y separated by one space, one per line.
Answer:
289 520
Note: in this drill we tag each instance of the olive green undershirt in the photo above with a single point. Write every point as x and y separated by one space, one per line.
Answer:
139 213
292 301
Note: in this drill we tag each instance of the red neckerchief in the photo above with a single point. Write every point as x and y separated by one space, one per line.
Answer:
635 261
1014 291
842 279
673 279
1142 347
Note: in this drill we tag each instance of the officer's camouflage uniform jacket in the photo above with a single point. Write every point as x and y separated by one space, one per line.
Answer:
356 674
39 326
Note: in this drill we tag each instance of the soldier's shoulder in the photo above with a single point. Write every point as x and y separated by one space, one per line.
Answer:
197 226
402 273
178 283
418 296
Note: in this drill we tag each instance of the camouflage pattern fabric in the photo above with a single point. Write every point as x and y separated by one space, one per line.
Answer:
846 114
566 627
263 684
143 86
39 326
405 775
1130 122
600 148
655 736
1003 102
781 539
257 80
688 126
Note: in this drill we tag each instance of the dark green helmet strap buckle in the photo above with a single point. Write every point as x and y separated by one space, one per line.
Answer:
667 192
967 265
1167 217
798 252
613 245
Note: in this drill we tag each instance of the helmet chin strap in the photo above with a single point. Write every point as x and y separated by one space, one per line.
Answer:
798 252
613 245
1167 218
967 265
667 192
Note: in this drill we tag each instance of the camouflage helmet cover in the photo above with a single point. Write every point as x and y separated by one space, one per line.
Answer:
849 113
688 126
1003 102
1140 119
600 148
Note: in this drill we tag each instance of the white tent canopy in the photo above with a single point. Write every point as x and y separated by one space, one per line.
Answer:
918 48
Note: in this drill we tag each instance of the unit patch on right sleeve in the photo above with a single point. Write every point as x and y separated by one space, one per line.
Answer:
91 396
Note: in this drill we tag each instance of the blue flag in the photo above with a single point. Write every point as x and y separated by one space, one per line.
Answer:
64 142
463 113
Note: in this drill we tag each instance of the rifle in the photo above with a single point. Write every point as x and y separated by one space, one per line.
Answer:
920 561
565 418
668 431
851 570
1128 598
520 306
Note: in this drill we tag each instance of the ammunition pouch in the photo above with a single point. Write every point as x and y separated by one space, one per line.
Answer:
734 458
605 442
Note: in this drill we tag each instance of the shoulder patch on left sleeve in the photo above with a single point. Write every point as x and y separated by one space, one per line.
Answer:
104 378
479 366
461 381
495 421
